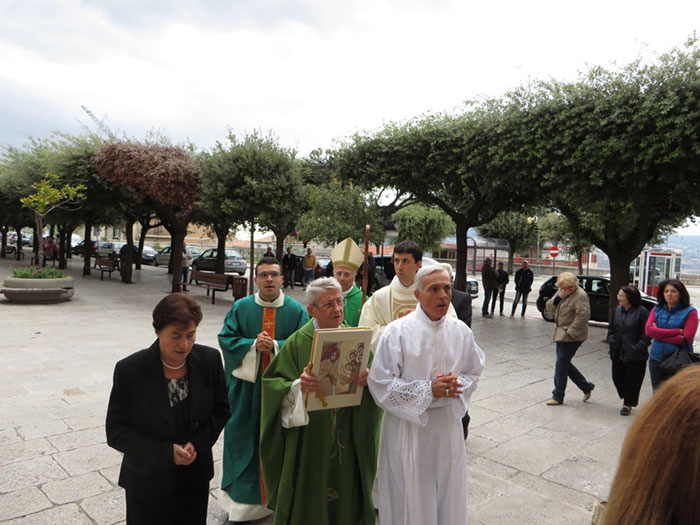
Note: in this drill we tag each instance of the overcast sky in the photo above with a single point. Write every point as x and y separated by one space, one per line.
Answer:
312 71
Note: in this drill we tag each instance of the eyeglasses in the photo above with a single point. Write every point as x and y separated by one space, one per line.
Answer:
265 275
331 304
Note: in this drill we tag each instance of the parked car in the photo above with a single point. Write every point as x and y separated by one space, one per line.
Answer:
109 249
163 256
233 262
148 255
94 245
598 290
385 273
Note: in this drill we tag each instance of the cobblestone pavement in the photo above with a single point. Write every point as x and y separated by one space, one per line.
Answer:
528 463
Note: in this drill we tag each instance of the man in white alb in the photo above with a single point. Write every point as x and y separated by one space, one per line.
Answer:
424 371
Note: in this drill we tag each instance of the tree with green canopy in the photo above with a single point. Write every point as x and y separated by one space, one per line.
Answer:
462 164
515 227
618 152
248 181
339 211
48 197
427 226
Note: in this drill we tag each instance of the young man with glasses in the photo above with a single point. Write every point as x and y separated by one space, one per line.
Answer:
254 330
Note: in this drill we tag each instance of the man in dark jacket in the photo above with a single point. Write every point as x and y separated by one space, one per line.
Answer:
490 284
288 265
500 292
523 285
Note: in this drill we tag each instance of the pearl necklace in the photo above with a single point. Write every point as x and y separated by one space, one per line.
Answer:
166 365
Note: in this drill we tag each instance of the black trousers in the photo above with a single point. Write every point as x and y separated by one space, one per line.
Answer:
500 295
628 379
188 507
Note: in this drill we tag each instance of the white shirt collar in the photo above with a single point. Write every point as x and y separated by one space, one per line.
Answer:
272 304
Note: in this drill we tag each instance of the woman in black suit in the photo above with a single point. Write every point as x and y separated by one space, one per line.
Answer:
167 408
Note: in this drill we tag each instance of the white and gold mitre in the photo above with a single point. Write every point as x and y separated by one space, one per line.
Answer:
348 254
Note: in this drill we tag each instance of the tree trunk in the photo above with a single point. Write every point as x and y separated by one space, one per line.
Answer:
177 244
579 260
69 241
280 236
18 251
511 255
221 235
146 225
125 264
62 248
461 270
87 249
3 245
38 228
251 288
619 276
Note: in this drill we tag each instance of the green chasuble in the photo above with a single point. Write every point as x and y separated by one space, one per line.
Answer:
321 473
241 458
353 305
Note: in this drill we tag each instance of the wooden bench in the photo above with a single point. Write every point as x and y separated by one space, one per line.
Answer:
106 265
48 256
214 282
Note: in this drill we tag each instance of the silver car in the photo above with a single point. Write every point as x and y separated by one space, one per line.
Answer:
163 256
233 262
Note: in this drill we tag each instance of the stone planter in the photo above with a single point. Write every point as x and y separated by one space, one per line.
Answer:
38 290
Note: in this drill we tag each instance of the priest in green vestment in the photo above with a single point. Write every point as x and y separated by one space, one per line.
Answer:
254 330
347 258
318 467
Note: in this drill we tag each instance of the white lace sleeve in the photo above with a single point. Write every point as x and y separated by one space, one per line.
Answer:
293 412
409 400
405 399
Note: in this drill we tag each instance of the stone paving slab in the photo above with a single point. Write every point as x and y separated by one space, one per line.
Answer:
528 463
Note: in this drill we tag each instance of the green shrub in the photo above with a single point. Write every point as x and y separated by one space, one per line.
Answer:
35 272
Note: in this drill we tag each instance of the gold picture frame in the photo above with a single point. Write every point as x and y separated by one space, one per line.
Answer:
339 356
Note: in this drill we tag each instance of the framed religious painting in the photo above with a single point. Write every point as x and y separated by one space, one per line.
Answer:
339 356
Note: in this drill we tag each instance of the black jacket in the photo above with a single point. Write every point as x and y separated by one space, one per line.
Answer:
288 261
488 277
462 303
523 280
140 421
626 337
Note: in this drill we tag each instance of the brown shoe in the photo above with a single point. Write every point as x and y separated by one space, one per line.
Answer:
554 402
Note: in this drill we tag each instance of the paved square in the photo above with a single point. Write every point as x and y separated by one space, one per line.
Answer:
528 463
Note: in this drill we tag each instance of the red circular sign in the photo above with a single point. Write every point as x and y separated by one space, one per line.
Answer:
554 251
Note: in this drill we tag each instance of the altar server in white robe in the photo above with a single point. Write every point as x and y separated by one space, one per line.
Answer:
423 374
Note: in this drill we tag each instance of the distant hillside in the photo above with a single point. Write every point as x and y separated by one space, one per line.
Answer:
689 245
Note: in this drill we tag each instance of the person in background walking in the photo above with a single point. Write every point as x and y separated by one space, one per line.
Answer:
490 284
628 346
500 292
672 323
523 285
309 265
572 310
